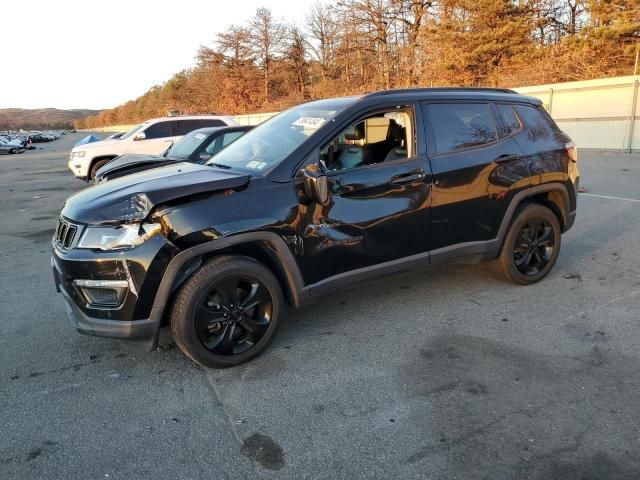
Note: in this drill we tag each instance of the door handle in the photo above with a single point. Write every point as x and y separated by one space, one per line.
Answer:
506 158
407 177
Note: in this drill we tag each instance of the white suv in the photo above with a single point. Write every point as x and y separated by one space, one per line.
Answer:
151 137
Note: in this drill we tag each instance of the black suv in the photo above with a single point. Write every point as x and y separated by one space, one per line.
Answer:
321 197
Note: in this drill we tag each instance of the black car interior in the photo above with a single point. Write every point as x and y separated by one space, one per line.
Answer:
357 145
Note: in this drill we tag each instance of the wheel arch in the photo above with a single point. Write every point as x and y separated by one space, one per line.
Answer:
554 196
265 247
99 158
558 203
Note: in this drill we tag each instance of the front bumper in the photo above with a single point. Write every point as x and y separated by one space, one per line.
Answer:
77 167
133 319
138 333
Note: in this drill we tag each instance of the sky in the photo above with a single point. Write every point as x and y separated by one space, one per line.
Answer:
87 54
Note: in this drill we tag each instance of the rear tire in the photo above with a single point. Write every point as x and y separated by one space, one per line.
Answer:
227 312
531 247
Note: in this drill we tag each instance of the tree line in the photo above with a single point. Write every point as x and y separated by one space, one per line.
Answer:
355 46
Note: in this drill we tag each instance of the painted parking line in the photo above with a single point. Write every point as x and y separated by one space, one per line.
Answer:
609 197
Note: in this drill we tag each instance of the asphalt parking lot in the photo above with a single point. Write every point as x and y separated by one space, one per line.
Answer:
447 373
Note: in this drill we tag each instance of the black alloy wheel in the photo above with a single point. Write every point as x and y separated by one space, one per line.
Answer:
531 245
227 312
233 315
534 246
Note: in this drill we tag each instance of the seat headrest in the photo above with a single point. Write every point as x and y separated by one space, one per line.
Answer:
357 133
395 131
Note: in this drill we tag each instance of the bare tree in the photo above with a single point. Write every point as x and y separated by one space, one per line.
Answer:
235 44
373 19
412 15
268 36
324 30
353 46
296 54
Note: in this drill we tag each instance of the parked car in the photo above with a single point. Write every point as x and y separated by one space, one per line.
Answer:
41 137
195 147
151 137
10 147
317 199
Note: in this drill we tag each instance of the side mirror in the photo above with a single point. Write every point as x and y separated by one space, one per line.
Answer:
316 186
139 136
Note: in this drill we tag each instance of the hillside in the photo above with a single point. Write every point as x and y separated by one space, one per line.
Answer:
40 118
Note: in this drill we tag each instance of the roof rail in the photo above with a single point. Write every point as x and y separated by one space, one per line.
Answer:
439 89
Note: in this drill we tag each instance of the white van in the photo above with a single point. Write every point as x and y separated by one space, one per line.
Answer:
151 137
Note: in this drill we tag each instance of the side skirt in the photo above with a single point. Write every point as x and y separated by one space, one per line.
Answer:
467 253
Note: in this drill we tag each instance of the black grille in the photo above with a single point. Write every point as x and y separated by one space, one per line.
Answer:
65 234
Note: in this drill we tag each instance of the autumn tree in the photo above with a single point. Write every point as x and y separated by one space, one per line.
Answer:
353 46
268 38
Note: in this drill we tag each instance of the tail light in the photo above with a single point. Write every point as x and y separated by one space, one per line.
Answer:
572 151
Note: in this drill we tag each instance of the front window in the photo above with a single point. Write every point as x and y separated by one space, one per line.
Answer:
160 130
133 131
187 145
380 137
271 142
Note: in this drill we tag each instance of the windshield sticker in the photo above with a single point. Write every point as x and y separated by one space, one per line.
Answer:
308 122
261 165
200 136
253 164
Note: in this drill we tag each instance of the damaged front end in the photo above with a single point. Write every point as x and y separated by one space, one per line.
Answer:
110 250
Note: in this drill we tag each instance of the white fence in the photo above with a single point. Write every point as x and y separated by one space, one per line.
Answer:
597 114
253 118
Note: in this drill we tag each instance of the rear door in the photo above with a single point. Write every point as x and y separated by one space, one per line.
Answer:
477 168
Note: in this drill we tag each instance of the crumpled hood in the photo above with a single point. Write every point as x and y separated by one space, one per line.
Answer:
160 185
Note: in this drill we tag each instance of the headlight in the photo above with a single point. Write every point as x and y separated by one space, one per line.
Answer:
78 154
117 238
133 209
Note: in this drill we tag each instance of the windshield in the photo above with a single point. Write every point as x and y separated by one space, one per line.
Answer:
186 145
269 143
132 131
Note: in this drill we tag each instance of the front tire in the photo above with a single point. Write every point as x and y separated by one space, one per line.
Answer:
97 166
531 247
227 312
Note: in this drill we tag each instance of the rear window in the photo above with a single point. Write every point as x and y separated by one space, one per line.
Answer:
186 126
509 123
460 125
535 122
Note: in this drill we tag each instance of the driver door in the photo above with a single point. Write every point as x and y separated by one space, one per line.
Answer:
377 217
